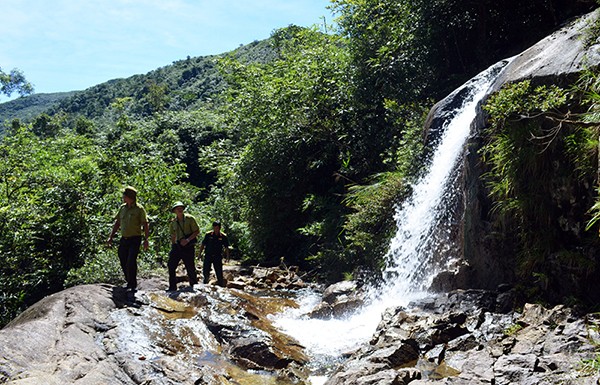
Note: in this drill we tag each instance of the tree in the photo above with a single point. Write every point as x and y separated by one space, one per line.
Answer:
291 116
14 81
58 196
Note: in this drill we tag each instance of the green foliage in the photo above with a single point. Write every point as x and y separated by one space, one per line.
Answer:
43 205
371 223
185 85
591 366
591 34
589 84
192 137
14 81
513 329
426 48
520 101
29 107
387 46
289 116
58 197
515 131
541 159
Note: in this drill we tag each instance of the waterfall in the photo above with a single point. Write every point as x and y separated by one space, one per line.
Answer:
422 246
423 228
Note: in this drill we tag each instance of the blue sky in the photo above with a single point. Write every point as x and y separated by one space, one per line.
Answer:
65 45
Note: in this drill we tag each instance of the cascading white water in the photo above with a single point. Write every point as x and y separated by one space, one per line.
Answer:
410 268
411 265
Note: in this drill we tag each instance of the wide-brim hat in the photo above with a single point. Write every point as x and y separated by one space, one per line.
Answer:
177 204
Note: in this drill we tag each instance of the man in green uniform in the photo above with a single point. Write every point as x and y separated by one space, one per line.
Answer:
215 242
184 231
132 220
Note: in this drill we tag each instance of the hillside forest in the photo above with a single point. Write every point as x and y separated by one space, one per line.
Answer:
302 145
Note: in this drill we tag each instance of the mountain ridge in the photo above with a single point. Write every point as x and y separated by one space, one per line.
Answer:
183 85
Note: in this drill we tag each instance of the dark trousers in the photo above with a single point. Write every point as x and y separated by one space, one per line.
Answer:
185 254
217 262
129 249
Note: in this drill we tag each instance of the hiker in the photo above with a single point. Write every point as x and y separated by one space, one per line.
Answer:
132 220
184 232
215 243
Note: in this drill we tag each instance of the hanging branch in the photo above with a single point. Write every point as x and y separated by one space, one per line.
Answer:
560 119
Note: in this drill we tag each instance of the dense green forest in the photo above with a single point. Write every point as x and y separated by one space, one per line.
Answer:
28 108
301 144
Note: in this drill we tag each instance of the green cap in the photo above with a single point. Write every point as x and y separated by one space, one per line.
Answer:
177 204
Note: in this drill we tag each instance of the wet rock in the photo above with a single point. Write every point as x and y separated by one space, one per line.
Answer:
355 371
391 377
339 300
537 346
408 375
339 309
333 292
60 340
264 278
97 334
256 352
436 354
404 353
239 321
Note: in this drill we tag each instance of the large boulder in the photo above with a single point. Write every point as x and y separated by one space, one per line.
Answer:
57 340
97 334
557 59
338 300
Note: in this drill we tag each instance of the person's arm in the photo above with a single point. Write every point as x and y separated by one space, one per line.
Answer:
114 230
190 238
173 232
146 235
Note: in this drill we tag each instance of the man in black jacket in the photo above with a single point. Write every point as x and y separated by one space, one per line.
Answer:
215 243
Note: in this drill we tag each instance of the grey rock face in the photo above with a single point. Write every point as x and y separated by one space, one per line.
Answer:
536 346
557 59
96 334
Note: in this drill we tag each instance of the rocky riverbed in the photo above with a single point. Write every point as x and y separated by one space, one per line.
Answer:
474 337
95 334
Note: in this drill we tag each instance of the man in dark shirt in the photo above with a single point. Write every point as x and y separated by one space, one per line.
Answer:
214 244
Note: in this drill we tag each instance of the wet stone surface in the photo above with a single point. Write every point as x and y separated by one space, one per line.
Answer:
100 334
97 334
